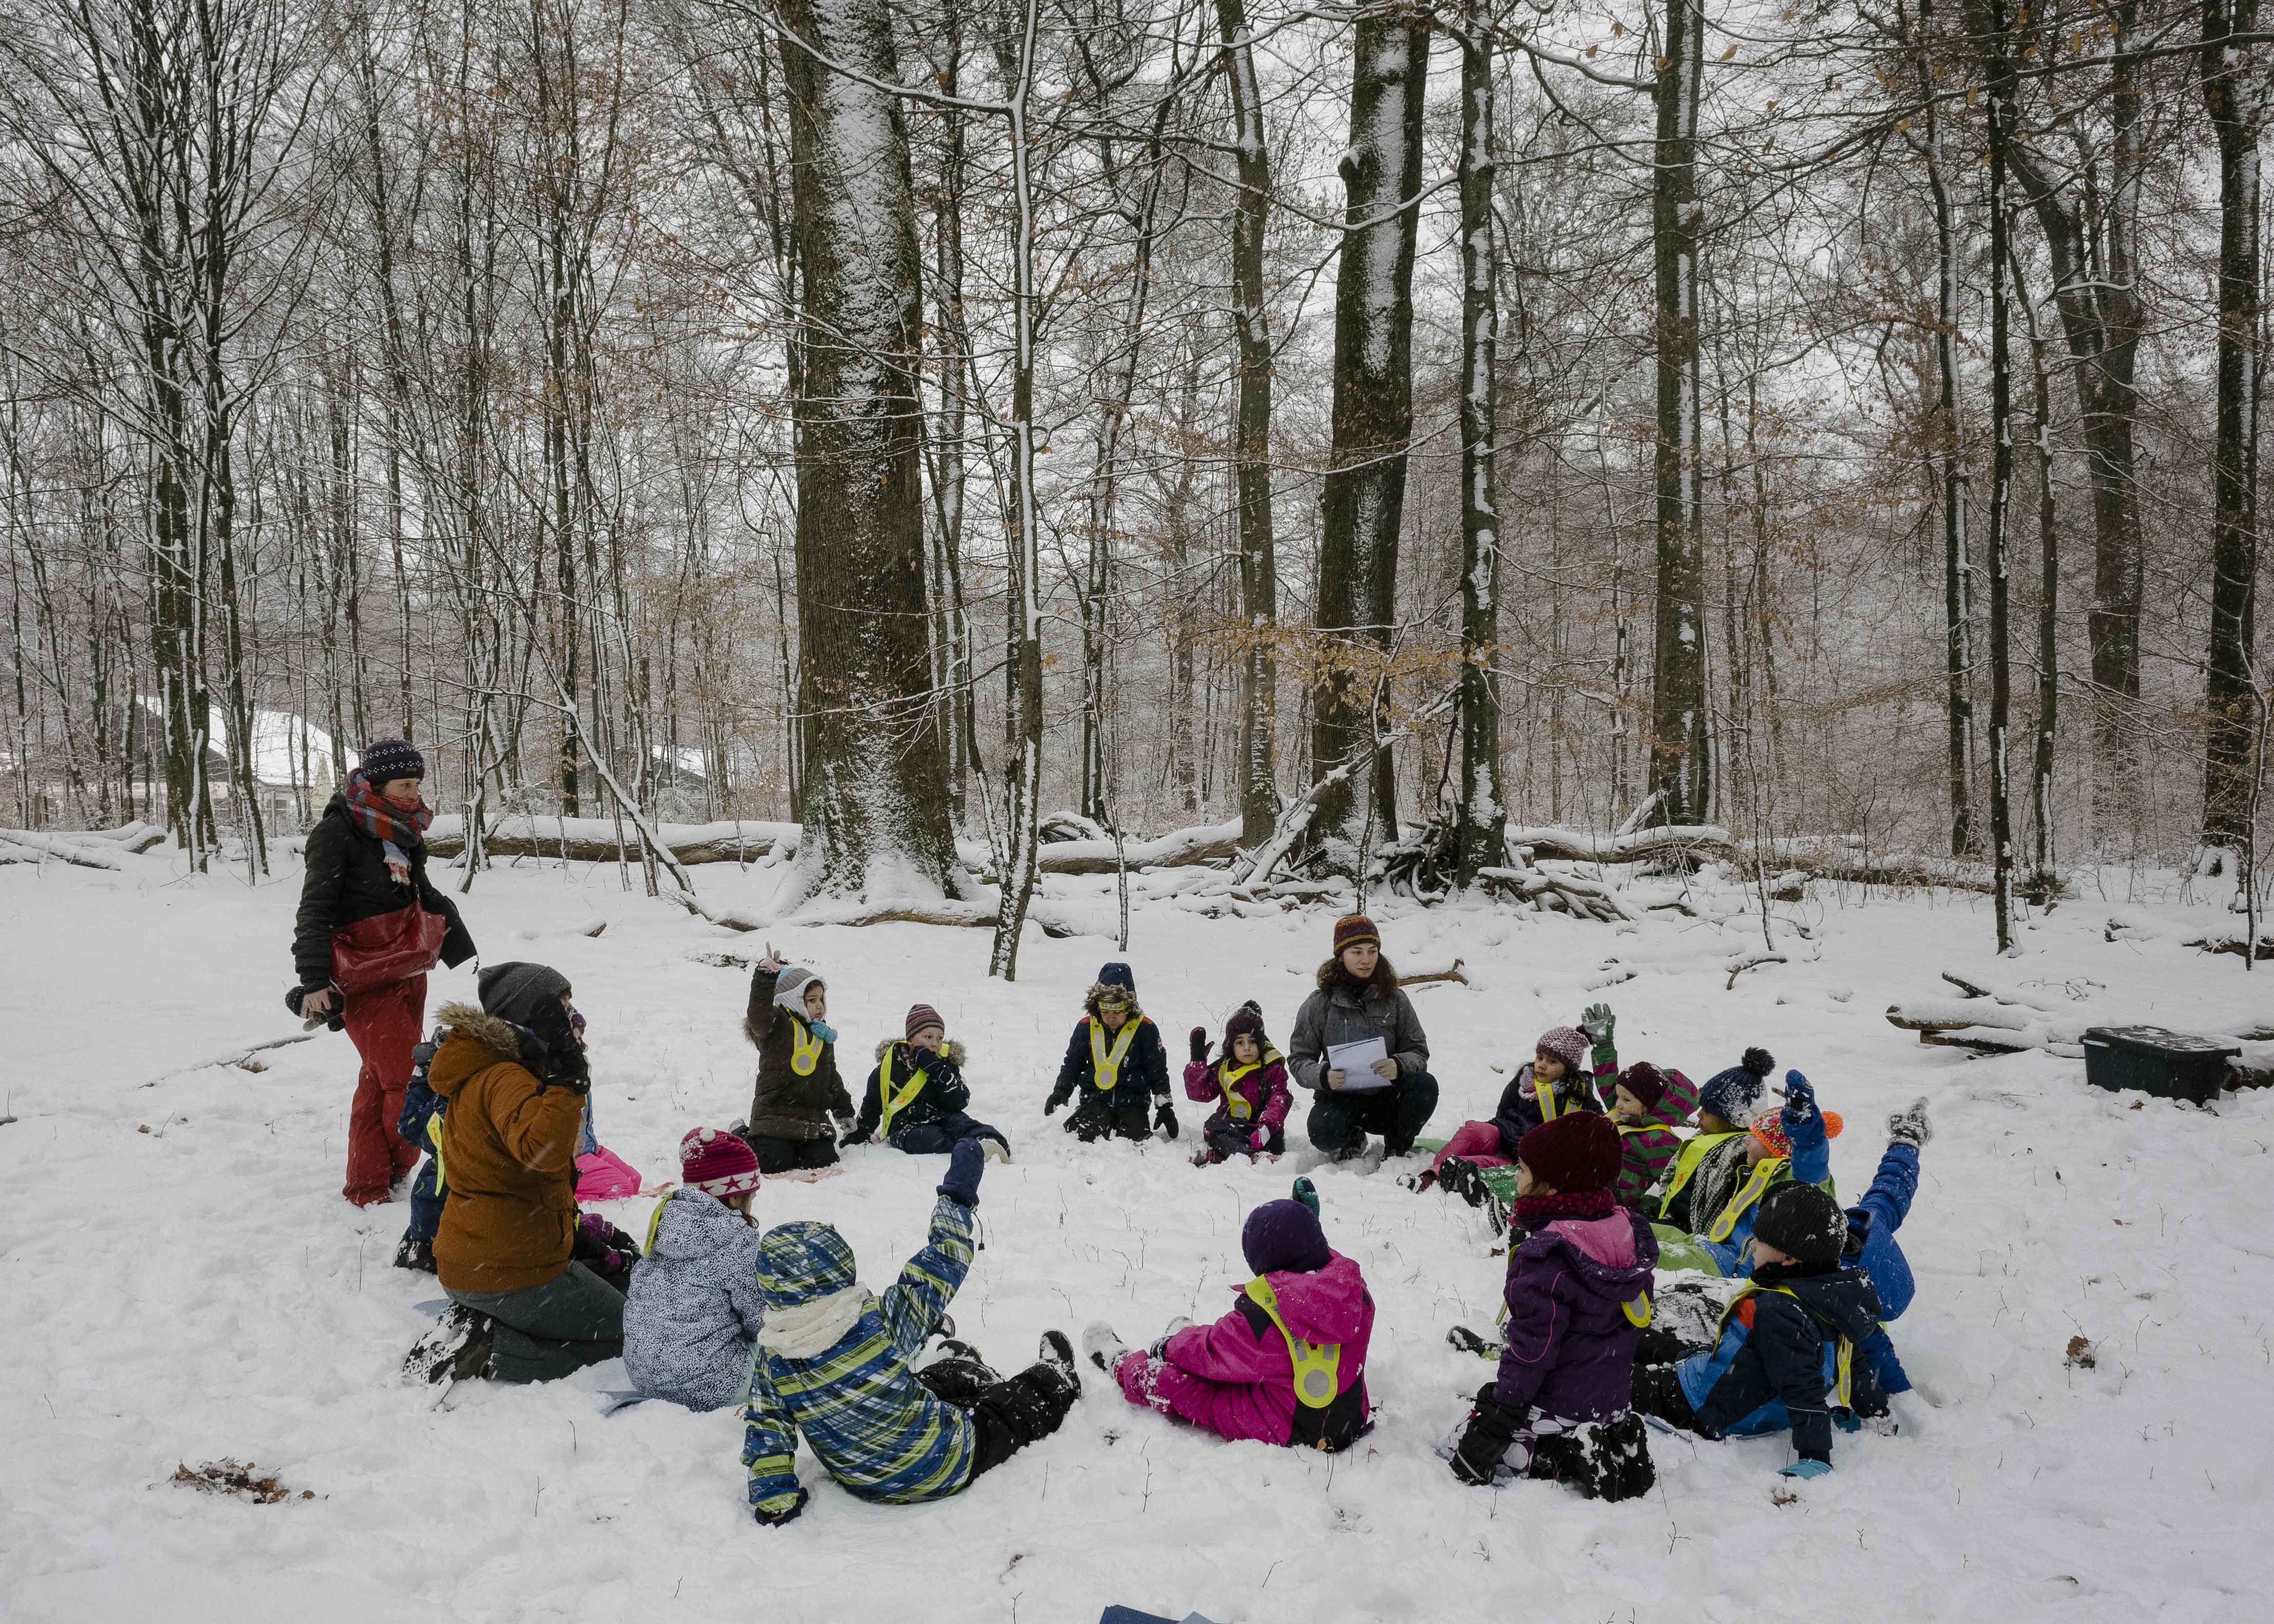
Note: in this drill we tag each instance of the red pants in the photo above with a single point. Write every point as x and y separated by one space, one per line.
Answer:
1475 1142
384 1026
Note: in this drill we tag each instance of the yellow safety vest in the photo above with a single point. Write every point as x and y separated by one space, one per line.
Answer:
1686 1161
435 1137
1235 1101
1844 1363
804 1047
655 1222
1544 1091
1107 1067
893 1102
1317 1365
1755 1185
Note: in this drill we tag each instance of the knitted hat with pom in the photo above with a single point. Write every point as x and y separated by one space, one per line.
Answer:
1575 1152
1768 1127
717 1163
1732 1094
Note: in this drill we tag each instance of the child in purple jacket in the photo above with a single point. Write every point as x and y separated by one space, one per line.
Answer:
1287 1365
1249 1085
1578 1294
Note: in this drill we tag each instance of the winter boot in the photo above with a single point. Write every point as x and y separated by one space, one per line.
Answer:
993 1150
1057 1358
1909 1126
1418 1182
454 1347
416 1252
1459 1176
1354 1151
1101 1347
1469 1341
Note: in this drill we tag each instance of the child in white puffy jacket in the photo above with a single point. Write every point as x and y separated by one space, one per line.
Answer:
694 1305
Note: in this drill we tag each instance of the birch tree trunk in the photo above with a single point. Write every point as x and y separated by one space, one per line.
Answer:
1483 816
875 808
1364 502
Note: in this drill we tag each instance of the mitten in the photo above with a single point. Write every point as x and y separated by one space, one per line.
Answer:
965 1163
1485 1441
1059 1095
1910 1127
1259 1140
775 1518
1164 1118
1806 1468
1200 1040
1799 1098
1307 1193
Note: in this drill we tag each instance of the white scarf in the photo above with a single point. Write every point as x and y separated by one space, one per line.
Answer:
811 1329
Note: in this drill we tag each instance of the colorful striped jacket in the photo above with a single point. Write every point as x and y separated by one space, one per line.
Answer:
873 1425
1646 1152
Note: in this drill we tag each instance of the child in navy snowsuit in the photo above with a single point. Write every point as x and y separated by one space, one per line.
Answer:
420 1124
1788 1352
1115 1067
1578 1292
916 1099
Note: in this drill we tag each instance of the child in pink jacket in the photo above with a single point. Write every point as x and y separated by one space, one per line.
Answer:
1249 1087
1287 1365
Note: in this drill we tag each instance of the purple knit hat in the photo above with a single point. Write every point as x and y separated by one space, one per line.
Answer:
1284 1238
1568 1045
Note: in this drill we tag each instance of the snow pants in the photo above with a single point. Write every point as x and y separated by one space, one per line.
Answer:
547 1332
792 1155
943 1134
1094 1122
1007 1415
1476 1143
1397 1113
1226 1138
384 1026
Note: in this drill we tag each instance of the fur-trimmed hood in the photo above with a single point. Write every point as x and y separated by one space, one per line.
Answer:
474 1041
1332 976
952 1051
1098 989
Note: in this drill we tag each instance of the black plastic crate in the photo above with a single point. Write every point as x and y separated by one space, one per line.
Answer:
2171 1065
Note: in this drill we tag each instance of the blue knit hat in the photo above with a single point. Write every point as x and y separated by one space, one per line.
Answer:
1731 1095
802 1261
1117 975
385 760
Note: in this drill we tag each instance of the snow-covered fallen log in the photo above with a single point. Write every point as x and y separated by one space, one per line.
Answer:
1634 846
595 840
1178 848
1586 898
36 845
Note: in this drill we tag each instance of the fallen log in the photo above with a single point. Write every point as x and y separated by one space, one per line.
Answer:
1453 974
593 839
57 846
1178 848
1636 846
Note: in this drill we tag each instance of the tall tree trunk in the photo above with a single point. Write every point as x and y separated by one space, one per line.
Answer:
1259 568
874 812
2003 97
1483 817
2229 744
1680 761
1365 503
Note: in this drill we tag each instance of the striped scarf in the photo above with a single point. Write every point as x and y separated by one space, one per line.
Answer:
386 822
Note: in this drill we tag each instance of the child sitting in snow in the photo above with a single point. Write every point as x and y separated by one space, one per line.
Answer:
1287 1365
1788 1350
1710 1161
1784 1144
1578 1293
1250 1082
1648 1105
1546 1087
832 1363
917 1099
694 1303
799 1108
1115 1066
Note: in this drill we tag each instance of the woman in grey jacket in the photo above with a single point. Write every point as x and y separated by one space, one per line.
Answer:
694 1305
1358 999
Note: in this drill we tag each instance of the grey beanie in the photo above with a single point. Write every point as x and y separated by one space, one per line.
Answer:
516 991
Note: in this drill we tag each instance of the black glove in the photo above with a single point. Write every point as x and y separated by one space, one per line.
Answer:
775 1518
1484 1442
565 1066
335 1019
1058 1096
852 1133
1164 1118
1199 1045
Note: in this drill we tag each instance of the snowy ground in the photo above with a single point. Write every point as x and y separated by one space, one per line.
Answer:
199 1290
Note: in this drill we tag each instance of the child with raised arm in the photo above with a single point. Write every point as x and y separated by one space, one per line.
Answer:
1287 1365
1578 1292
916 1099
832 1363
799 1108
1249 1084
1550 1084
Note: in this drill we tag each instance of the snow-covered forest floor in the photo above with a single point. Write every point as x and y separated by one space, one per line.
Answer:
199 1290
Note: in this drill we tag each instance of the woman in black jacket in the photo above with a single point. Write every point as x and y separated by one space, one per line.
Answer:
366 865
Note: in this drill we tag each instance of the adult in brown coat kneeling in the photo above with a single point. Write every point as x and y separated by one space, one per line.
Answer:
514 1078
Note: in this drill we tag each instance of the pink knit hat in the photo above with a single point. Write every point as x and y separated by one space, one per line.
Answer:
717 1163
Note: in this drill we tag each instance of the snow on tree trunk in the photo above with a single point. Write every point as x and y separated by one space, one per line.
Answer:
1483 816
1679 762
1373 421
1259 570
876 807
